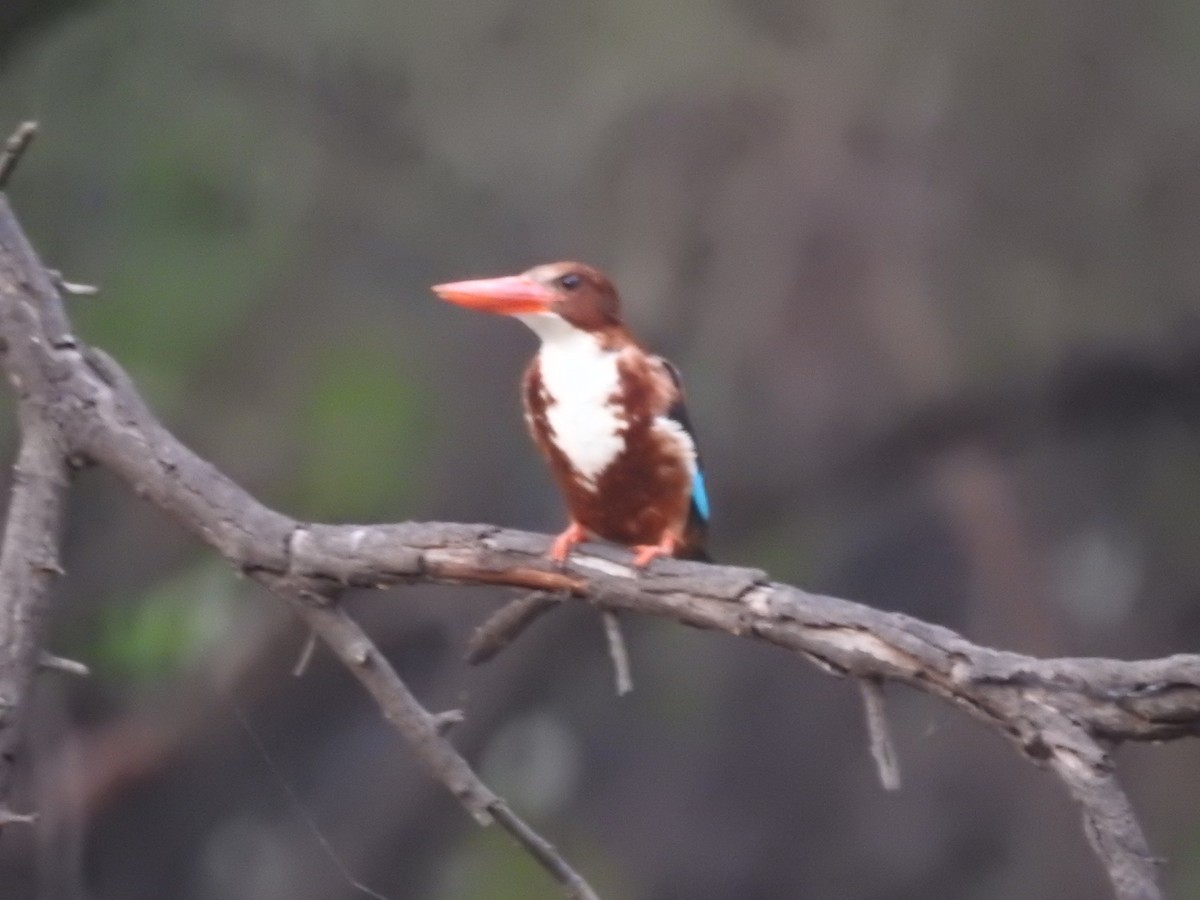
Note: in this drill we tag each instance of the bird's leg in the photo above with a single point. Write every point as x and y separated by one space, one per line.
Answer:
561 548
643 553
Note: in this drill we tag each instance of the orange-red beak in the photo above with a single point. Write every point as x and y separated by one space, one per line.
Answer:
510 295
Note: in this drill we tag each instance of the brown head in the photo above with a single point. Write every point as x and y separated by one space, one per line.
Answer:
574 292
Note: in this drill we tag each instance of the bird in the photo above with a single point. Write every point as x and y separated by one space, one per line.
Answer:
607 415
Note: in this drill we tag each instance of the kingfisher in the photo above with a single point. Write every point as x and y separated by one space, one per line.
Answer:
607 415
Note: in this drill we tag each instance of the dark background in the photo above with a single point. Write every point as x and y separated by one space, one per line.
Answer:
932 273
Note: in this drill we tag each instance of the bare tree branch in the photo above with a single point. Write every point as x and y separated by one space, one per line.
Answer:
618 653
423 730
506 624
1108 818
29 557
883 751
28 567
14 149
306 655
45 364
1062 714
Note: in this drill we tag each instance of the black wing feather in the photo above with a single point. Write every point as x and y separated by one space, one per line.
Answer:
697 524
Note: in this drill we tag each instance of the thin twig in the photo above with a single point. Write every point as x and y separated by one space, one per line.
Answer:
506 624
879 736
618 653
423 730
544 852
8 817
1109 821
306 655
14 149
359 654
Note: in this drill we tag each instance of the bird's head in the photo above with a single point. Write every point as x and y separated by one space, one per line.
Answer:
569 292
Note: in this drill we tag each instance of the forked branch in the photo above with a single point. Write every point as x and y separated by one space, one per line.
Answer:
77 404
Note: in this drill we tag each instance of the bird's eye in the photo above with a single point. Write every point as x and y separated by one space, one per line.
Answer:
570 281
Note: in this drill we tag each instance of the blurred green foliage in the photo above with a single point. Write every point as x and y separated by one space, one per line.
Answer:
484 868
366 427
171 626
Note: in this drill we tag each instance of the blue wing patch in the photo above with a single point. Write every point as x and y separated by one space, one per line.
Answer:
699 494
678 412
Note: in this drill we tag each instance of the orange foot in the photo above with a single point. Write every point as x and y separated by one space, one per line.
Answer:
644 553
561 548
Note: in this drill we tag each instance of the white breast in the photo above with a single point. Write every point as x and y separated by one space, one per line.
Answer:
582 380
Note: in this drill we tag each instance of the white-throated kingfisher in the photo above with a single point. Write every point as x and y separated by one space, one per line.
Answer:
607 415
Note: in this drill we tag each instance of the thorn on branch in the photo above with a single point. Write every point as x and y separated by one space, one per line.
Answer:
14 149
8 817
72 288
306 655
77 462
506 624
62 664
447 719
360 654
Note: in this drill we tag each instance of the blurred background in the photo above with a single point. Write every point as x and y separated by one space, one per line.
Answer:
931 271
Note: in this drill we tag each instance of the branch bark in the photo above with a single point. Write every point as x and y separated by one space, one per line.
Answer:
29 556
28 567
75 403
1062 714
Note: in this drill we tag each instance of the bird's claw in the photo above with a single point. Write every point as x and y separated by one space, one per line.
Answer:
561 548
644 554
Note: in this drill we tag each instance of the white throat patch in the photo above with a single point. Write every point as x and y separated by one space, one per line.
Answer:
581 379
